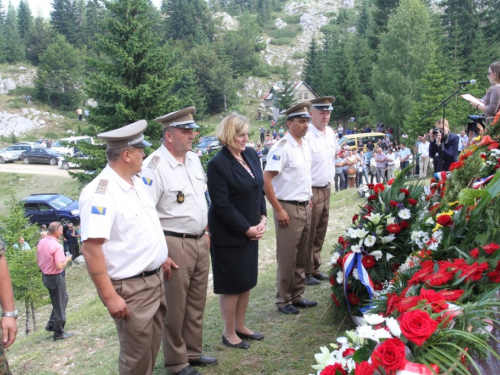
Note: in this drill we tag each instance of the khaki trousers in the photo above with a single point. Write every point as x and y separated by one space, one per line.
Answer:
319 225
424 165
186 295
140 335
291 253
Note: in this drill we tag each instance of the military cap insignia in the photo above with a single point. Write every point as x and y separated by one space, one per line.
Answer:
147 181
305 109
96 210
282 143
327 101
101 187
154 162
190 116
180 197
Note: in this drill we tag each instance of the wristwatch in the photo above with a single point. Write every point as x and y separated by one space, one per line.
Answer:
10 314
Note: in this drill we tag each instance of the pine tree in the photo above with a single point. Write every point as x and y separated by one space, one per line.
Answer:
14 48
311 73
24 19
188 20
263 12
64 19
403 57
94 14
135 76
285 98
38 39
382 11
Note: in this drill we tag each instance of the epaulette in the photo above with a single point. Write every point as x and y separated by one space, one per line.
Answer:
154 162
281 143
101 187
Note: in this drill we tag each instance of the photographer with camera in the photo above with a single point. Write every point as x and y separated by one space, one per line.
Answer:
443 146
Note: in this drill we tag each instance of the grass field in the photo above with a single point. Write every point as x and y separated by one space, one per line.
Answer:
290 341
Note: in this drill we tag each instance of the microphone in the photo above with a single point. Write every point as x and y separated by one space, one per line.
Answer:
471 81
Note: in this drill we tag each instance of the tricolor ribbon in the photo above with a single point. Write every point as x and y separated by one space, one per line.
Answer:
481 182
441 176
352 260
417 369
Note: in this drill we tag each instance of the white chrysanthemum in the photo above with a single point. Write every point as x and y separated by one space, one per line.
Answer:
404 214
340 277
374 218
373 319
426 238
433 246
370 241
365 331
393 326
377 254
355 273
437 235
381 334
414 236
335 258
429 221
389 238
361 233
389 256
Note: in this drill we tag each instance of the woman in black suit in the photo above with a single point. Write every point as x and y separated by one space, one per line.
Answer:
237 219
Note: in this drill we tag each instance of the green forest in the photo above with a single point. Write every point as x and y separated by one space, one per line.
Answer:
385 61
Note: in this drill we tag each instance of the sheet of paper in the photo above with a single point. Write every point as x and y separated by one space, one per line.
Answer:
468 97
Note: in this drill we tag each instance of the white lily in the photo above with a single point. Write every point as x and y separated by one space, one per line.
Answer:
390 220
389 238
389 256
429 221
377 254
374 218
361 233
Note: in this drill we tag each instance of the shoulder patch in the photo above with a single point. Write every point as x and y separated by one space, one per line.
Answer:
154 162
276 157
282 143
101 187
98 210
147 181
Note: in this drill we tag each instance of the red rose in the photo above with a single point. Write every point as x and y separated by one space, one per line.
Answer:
393 228
378 188
445 220
412 202
372 197
364 368
390 182
494 276
337 303
390 355
332 370
404 224
348 352
353 299
368 261
417 326
405 191
393 203
370 186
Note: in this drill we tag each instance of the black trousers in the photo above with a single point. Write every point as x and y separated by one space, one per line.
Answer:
56 285
74 249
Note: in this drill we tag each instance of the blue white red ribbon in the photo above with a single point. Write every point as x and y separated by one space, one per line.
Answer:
353 260
481 182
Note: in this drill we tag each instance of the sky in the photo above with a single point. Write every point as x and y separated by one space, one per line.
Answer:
44 7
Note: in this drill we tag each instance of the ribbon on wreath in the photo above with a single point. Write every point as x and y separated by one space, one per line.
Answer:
417 369
481 182
352 261
441 176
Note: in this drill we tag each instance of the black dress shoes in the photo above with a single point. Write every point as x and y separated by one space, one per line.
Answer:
203 361
305 303
49 329
288 309
311 280
188 371
240 345
62 336
321 276
254 336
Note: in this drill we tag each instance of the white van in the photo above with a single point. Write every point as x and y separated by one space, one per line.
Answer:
69 150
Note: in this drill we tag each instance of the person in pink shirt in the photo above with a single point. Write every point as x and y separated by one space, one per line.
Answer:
51 260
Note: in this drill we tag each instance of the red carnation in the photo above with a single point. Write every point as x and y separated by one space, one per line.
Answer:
417 326
439 278
337 303
390 355
494 276
390 182
404 224
407 303
364 368
378 188
406 191
393 203
412 202
474 253
353 299
456 165
332 370
370 186
368 261
372 197
393 228
445 220
451 295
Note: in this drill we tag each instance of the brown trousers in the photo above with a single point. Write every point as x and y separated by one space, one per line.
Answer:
319 225
186 295
291 253
140 335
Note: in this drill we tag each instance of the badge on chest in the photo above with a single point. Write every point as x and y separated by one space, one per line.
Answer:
180 197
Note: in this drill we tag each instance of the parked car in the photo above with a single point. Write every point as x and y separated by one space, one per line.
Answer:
7 157
40 156
65 164
353 140
18 149
69 149
208 144
49 207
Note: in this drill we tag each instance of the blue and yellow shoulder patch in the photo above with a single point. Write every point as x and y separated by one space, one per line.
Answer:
276 157
98 210
147 181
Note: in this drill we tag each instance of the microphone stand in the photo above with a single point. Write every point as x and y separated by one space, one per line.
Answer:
444 103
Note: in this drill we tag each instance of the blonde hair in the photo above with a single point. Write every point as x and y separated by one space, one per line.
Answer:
230 127
443 122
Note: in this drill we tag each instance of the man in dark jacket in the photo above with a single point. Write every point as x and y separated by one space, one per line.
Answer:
444 146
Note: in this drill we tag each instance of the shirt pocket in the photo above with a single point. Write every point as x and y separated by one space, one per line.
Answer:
177 192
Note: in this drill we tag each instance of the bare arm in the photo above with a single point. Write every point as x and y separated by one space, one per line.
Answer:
281 214
60 266
8 324
96 266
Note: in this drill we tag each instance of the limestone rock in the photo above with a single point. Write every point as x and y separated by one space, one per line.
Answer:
279 23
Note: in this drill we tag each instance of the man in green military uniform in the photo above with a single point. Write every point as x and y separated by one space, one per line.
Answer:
9 315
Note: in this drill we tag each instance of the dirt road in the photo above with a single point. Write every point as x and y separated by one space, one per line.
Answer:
19 167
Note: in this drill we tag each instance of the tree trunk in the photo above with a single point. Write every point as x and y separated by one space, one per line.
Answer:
33 316
28 313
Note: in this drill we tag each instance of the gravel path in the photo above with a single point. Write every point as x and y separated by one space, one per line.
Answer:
19 167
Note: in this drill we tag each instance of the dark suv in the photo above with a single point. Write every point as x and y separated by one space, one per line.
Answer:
46 208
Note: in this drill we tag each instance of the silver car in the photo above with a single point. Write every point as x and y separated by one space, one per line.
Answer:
18 149
7 157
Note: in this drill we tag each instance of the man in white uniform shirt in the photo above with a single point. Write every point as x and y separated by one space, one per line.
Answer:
423 150
125 249
287 183
175 179
323 146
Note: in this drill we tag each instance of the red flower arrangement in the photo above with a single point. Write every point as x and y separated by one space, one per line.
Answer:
368 261
456 165
364 368
378 188
391 355
393 228
405 191
332 370
393 203
353 299
417 326
412 202
445 220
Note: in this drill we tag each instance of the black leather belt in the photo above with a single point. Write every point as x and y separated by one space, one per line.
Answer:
297 203
321 187
183 235
144 274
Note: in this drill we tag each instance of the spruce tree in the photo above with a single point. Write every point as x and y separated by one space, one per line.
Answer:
94 13
24 19
285 98
263 12
381 12
188 20
311 74
13 48
64 19
38 39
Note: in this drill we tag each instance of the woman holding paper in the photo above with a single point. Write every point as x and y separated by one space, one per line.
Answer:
491 101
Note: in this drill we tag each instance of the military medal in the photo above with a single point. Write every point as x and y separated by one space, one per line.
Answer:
180 197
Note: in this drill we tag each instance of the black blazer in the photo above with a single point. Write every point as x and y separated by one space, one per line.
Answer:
237 198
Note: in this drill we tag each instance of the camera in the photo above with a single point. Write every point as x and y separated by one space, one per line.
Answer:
476 119
437 131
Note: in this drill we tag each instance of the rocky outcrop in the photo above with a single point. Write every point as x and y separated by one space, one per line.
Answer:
25 120
16 77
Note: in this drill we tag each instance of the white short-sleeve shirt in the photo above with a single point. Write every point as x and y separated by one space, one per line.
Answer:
178 191
323 147
293 164
125 216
